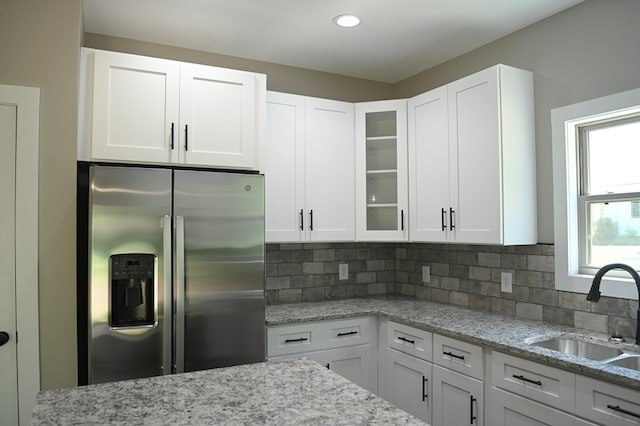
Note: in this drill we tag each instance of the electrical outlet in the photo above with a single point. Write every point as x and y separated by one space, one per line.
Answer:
506 282
426 274
343 271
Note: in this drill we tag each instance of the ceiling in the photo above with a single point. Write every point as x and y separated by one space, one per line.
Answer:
395 39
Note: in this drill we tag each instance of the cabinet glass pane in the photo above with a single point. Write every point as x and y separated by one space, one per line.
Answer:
382 188
381 124
381 154
382 218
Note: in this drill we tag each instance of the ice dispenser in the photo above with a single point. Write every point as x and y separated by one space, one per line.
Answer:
132 290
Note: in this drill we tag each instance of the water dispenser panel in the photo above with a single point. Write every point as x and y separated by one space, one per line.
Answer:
132 290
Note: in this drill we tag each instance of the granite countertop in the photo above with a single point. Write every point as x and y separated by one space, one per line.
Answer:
292 392
498 332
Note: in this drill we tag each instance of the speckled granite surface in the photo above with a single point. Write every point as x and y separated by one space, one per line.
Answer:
503 333
294 392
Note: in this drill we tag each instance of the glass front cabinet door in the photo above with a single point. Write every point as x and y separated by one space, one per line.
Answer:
381 171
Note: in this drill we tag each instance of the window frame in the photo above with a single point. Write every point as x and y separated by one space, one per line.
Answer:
565 124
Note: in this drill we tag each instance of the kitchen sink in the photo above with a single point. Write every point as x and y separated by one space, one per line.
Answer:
631 361
581 348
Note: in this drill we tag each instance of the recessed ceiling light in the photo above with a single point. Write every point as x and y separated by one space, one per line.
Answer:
346 21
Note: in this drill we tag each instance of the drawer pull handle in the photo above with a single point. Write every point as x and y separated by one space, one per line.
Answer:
452 355
473 417
301 339
524 379
349 333
425 382
404 339
622 410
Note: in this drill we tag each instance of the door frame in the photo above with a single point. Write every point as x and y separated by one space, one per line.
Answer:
27 102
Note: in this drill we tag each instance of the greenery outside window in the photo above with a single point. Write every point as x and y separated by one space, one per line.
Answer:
596 178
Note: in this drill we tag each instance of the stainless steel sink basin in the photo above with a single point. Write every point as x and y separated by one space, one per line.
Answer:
584 349
631 361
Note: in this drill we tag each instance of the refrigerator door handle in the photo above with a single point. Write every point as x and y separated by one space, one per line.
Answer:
179 297
167 297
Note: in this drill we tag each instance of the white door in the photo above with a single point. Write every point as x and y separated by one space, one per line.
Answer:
330 158
8 354
429 166
19 364
457 399
408 383
135 108
218 117
284 168
475 158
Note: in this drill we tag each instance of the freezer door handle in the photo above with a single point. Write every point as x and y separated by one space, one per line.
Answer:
179 296
167 317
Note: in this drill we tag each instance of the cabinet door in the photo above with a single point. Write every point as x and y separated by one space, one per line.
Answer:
475 158
354 363
330 176
408 383
218 117
135 108
284 168
457 399
381 171
428 166
506 409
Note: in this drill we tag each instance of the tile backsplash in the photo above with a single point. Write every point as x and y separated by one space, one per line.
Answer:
464 275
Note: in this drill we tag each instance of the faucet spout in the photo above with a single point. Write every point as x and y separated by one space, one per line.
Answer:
594 291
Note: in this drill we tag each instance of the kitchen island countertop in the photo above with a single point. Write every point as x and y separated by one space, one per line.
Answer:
292 392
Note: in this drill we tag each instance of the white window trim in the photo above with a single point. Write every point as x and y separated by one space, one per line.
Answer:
564 121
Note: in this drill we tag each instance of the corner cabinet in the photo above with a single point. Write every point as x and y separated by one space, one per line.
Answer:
472 160
150 110
381 171
309 177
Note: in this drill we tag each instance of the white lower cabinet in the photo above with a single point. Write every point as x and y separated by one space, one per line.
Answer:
408 383
457 398
347 347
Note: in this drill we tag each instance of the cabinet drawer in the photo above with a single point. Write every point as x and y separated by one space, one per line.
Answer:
539 382
409 340
455 355
349 332
290 339
607 403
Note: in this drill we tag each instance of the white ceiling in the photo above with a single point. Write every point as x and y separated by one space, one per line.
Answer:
395 40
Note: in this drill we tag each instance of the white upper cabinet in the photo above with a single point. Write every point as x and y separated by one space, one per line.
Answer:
149 110
381 171
309 170
472 160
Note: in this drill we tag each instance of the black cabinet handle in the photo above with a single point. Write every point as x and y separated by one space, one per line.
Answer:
452 212
402 220
473 418
452 355
404 339
301 339
301 220
444 219
4 337
349 333
327 366
311 220
425 382
172 127
622 410
524 379
186 137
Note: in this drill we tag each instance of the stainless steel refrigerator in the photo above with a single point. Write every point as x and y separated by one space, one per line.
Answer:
170 271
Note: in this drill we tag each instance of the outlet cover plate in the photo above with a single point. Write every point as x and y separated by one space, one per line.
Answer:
343 271
506 282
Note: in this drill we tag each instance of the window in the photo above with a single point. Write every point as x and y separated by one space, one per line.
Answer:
596 165
609 195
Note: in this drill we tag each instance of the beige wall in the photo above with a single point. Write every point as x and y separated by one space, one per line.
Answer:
39 42
590 50
281 78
